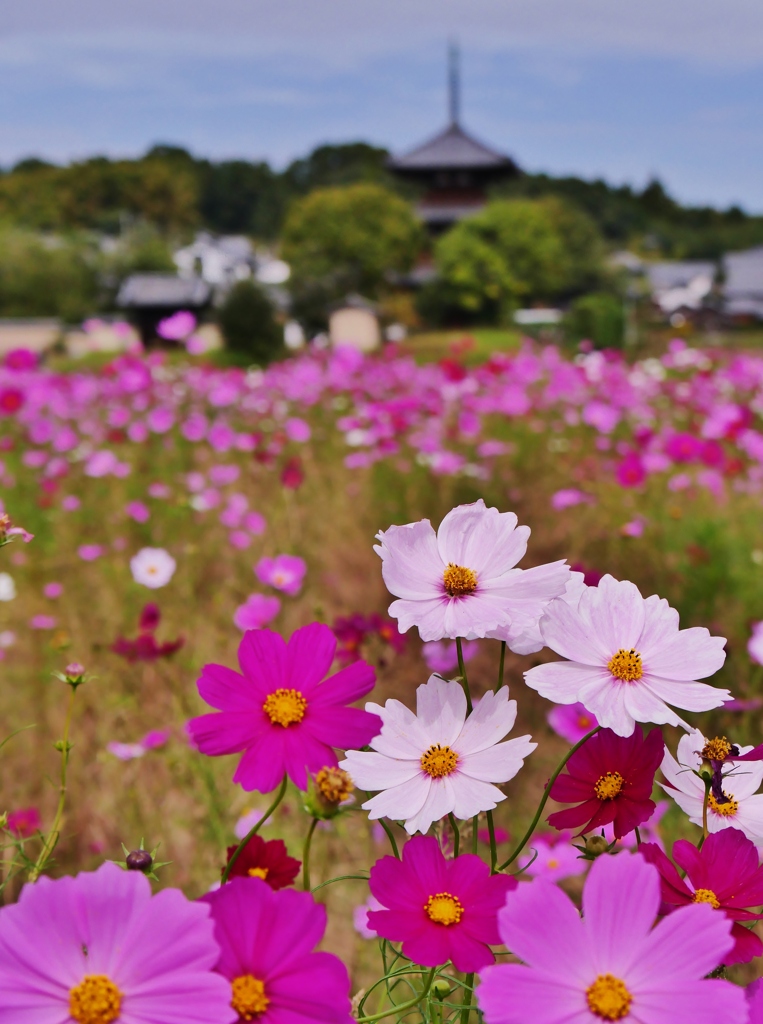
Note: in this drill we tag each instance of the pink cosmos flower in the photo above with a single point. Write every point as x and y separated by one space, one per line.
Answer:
630 472
25 822
52 590
73 946
257 611
138 511
726 873
284 572
266 939
755 1001
568 497
89 552
441 655
553 858
70 503
571 721
43 622
610 965
439 909
462 580
278 712
627 658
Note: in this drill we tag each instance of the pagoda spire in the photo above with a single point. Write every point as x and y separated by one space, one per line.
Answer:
454 84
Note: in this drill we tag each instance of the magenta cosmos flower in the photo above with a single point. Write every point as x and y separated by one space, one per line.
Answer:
725 873
610 779
628 660
99 948
284 572
439 909
611 965
277 710
266 941
462 581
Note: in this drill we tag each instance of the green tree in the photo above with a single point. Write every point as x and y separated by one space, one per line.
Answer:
42 276
248 323
598 317
342 240
516 251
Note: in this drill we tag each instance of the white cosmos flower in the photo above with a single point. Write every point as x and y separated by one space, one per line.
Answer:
153 567
7 587
438 761
741 780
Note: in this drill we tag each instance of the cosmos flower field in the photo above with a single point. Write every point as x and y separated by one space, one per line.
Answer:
335 626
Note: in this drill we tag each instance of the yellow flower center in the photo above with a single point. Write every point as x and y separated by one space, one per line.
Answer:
626 665
442 908
96 1000
459 580
717 749
438 761
609 998
335 785
258 873
609 786
553 863
706 896
727 809
285 707
249 999
584 722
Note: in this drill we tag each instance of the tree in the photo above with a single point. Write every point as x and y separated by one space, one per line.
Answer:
247 320
46 276
516 251
342 240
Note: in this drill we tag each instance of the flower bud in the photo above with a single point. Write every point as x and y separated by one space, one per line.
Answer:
705 771
440 988
74 673
139 860
596 845
326 793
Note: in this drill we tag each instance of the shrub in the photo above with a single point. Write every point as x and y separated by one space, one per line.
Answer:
248 323
598 317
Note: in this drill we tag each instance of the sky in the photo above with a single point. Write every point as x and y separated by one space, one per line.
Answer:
620 89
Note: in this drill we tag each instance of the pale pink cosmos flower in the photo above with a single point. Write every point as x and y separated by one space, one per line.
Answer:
284 572
755 643
43 622
740 782
360 917
153 567
138 511
89 552
52 590
462 581
438 761
611 964
246 823
628 660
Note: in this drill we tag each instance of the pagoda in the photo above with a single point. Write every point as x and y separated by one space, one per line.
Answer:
453 170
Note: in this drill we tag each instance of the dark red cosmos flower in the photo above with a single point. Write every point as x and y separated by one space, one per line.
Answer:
265 859
725 873
145 647
611 779
11 400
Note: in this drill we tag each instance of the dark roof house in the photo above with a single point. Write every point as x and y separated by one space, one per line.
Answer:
453 169
152 297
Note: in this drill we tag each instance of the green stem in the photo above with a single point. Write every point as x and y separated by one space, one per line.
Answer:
306 855
638 836
462 673
501 663
401 1007
704 814
456 834
493 846
52 837
254 830
339 878
544 799
475 823
391 837
467 1003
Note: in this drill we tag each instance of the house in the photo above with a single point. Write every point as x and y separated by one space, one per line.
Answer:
453 169
223 260
149 298
354 323
742 289
680 285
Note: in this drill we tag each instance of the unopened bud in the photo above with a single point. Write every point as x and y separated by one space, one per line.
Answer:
74 673
330 788
705 771
139 860
440 988
596 845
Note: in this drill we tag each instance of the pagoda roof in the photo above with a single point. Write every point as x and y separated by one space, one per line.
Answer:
452 149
